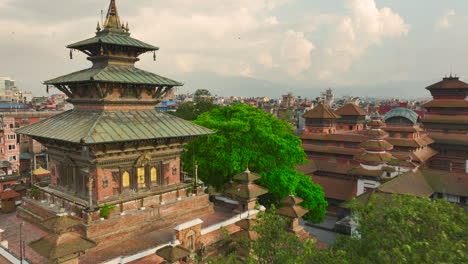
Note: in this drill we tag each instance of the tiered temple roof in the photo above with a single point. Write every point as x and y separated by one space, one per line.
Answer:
351 110
321 111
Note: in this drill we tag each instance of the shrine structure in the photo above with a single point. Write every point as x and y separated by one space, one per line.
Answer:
115 163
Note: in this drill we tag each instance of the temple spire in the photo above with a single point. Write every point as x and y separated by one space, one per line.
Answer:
112 18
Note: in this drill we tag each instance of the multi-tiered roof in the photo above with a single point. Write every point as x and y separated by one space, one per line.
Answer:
376 146
114 101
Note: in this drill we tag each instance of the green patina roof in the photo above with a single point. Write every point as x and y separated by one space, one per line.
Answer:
113 39
402 112
116 74
98 126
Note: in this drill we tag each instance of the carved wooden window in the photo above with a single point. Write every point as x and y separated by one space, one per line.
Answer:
126 179
141 177
154 175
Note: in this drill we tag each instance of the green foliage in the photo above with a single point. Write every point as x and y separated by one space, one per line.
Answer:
190 110
34 191
246 136
274 244
201 95
106 209
407 230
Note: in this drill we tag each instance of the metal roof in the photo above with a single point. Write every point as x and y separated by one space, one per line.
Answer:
402 112
116 74
13 105
98 126
113 39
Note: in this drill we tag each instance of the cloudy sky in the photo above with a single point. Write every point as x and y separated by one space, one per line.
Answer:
362 47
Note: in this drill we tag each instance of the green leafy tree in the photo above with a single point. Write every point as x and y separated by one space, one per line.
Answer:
407 230
202 95
277 246
190 110
186 111
248 137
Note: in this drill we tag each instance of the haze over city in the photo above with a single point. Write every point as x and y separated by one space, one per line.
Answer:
253 48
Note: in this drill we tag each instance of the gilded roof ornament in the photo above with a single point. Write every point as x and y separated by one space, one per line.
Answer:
112 18
98 27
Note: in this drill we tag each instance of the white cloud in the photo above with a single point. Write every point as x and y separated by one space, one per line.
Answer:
242 37
366 25
444 21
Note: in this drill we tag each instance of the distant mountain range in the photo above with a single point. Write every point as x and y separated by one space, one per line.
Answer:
250 87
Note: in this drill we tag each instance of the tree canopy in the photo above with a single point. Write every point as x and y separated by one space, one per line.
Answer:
190 110
248 137
202 95
407 229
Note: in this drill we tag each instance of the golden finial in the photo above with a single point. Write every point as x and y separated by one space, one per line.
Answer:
123 25
112 18
98 28
127 28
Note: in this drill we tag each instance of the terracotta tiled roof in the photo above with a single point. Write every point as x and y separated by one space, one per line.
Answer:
55 246
333 167
453 103
292 211
421 155
375 132
376 145
448 83
173 254
335 188
415 128
445 119
246 191
308 168
321 111
291 200
376 123
402 163
412 183
411 142
329 149
424 154
351 110
247 176
365 172
375 157
335 137
454 183
9 194
449 138
61 223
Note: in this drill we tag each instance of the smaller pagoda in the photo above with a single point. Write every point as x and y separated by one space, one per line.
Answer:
293 211
246 232
174 254
245 190
321 119
376 147
63 244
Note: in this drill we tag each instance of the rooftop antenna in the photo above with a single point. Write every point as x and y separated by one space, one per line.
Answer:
450 70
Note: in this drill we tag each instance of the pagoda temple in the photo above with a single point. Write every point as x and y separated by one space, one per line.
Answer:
115 163
446 122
